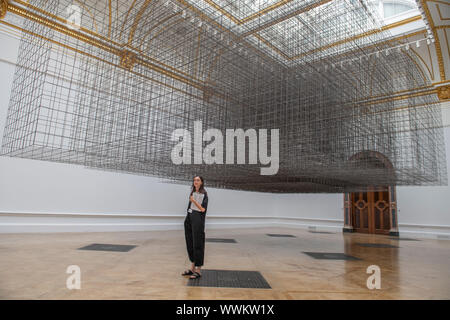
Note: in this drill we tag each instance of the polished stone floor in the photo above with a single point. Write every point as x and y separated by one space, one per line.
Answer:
33 266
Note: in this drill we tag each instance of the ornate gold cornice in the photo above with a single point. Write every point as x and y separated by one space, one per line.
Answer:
440 13
62 20
441 82
99 43
3 8
356 37
423 91
372 46
60 28
283 18
250 17
437 44
443 93
127 59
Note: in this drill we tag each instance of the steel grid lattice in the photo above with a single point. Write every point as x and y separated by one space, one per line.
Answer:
110 95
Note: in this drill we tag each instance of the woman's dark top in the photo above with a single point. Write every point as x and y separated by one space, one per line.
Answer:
204 203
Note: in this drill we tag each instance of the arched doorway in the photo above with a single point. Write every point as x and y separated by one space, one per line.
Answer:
373 210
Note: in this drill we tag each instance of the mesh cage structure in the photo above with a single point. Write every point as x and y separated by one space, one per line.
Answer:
352 106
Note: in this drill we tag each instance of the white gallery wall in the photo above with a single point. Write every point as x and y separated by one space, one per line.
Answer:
38 196
426 210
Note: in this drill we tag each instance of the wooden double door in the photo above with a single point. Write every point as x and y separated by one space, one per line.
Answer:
370 212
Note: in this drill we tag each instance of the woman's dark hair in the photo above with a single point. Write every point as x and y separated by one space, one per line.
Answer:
202 186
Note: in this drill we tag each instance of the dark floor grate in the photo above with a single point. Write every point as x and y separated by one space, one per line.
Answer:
230 279
108 247
404 239
220 240
376 245
322 232
330 256
281 235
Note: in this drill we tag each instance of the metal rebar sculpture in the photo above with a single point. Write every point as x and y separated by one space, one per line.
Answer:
107 91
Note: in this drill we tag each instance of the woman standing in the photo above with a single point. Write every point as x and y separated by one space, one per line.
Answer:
194 227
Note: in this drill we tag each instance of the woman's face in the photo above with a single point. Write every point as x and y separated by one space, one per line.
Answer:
197 182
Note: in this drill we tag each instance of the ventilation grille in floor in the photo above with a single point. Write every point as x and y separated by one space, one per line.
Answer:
330 256
229 279
322 232
108 247
221 240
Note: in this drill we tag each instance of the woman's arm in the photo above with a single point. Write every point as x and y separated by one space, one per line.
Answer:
205 202
198 205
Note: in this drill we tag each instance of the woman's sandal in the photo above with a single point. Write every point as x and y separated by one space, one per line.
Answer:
187 272
195 275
